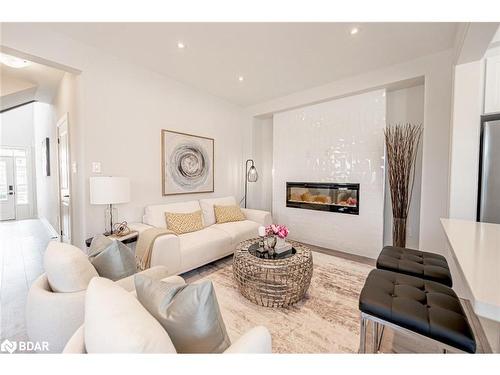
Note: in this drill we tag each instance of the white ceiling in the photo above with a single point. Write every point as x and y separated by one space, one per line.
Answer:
33 82
275 59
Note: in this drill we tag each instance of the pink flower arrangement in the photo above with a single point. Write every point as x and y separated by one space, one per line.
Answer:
278 230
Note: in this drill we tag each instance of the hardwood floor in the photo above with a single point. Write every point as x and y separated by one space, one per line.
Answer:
22 244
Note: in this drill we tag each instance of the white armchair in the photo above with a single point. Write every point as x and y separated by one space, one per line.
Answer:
255 341
116 322
56 300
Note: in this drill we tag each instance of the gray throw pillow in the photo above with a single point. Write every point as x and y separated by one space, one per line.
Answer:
98 244
189 313
111 258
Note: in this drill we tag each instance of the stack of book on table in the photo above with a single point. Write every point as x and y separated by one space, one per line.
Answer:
281 249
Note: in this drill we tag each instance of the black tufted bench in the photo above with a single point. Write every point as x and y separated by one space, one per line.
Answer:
411 262
413 304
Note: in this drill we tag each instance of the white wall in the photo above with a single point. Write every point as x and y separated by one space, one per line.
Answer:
122 131
260 192
120 110
16 130
336 141
437 72
46 186
403 106
464 164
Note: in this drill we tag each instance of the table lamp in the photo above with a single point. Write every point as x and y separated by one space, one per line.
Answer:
109 191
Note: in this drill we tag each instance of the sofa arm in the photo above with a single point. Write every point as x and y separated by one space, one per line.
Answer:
259 216
53 317
76 344
166 252
257 340
158 273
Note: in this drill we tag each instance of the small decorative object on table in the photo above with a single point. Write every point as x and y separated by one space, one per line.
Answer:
121 229
279 233
262 237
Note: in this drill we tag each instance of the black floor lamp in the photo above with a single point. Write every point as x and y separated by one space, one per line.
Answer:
251 175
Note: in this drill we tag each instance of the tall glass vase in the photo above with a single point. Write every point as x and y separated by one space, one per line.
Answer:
399 232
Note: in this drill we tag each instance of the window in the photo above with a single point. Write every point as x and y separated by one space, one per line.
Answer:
21 179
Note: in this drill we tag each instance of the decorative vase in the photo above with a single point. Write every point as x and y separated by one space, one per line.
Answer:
271 242
399 232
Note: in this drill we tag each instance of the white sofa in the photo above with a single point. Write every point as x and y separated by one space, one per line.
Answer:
56 299
191 250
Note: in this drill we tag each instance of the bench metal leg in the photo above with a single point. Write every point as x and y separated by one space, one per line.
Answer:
362 335
375 337
381 329
378 329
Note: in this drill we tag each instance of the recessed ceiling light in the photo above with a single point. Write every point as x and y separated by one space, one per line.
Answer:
240 78
354 31
181 45
13 61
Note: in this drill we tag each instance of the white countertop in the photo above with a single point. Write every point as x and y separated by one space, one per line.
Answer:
476 248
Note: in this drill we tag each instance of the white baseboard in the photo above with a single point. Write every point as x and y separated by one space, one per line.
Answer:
50 228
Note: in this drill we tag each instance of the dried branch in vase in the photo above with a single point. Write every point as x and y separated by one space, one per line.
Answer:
401 146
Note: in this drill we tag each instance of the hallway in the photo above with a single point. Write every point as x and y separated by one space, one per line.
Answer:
22 244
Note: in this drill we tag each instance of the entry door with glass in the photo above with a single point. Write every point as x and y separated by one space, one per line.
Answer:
7 197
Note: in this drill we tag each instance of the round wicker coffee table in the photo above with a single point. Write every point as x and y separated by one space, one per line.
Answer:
277 282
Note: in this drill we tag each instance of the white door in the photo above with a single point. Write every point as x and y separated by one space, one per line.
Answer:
7 197
64 179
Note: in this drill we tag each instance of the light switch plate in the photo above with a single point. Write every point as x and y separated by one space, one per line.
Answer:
74 169
96 167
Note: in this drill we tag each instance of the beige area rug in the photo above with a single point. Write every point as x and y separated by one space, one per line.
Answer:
325 321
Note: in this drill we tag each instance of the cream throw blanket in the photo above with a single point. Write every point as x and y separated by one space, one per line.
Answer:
145 243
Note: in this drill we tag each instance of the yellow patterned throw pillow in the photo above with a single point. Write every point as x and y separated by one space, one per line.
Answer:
184 223
226 214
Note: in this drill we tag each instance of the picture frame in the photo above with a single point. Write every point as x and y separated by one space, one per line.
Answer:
187 163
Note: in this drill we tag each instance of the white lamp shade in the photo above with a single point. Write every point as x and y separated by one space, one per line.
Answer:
109 190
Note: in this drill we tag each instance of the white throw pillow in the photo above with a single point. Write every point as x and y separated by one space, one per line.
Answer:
207 207
116 322
67 268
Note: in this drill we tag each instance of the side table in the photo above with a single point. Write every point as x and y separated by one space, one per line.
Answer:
128 238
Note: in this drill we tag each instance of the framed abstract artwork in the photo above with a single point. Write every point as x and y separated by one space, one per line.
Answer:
187 163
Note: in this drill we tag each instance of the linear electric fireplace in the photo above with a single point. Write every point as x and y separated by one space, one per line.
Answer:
333 197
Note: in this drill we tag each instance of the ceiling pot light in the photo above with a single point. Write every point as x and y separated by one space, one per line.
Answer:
181 45
240 78
354 31
13 61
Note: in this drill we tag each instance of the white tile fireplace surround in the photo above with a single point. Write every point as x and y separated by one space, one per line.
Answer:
337 141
